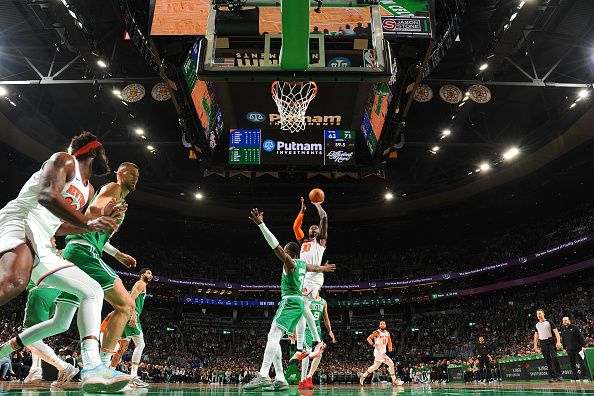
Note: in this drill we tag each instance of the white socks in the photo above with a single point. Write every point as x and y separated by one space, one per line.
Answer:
40 351
304 367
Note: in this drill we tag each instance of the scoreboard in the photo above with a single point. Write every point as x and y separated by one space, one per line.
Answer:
274 147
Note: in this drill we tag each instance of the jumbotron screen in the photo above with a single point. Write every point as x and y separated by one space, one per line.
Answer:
276 147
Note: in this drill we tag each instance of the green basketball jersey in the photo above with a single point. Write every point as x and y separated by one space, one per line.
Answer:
317 309
30 286
139 302
292 284
98 239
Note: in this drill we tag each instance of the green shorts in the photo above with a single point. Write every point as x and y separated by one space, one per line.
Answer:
288 314
130 332
309 338
87 258
40 305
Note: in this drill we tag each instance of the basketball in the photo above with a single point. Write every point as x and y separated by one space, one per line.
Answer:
316 195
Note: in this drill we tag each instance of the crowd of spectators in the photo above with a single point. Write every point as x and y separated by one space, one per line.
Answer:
191 261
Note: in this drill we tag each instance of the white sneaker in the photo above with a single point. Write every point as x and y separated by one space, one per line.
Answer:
136 382
35 375
65 376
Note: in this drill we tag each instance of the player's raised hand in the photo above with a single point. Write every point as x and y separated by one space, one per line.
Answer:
328 267
256 216
303 206
113 207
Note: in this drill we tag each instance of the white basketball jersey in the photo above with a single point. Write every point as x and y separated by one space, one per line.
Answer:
312 253
27 206
381 341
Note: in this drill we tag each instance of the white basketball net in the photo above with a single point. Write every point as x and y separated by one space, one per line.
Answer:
292 100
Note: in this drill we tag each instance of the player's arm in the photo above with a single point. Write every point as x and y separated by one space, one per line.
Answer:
327 322
390 348
536 341
258 219
127 260
558 337
138 288
372 337
323 237
107 195
327 267
55 172
299 234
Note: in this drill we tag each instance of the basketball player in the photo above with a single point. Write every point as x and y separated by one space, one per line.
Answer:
86 250
379 340
312 251
290 309
133 330
54 194
319 309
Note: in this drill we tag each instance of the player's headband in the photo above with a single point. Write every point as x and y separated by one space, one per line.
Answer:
87 147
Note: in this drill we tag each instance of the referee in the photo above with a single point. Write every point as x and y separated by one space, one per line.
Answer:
544 334
573 342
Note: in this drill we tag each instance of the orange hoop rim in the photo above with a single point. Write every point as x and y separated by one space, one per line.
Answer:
275 83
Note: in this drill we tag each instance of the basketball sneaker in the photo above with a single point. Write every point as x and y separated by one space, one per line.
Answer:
320 346
136 382
102 379
34 376
299 356
301 384
277 386
64 376
309 383
257 383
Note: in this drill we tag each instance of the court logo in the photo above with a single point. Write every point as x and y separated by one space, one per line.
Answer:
255 116
339 62
269 145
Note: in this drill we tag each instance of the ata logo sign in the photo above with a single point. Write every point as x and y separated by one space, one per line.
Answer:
255 116
339 62
269 145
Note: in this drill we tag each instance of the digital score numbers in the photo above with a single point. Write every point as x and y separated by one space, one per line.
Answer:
274 147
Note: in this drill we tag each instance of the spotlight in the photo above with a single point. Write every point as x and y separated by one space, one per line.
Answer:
511 153
150 148
484 66
521 5
3 91
513 17
583 93
389 196
572 105
485 166
198 196
139 131
446 132
102 63
116 92
435 149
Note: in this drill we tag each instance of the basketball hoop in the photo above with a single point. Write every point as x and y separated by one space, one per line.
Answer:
292 100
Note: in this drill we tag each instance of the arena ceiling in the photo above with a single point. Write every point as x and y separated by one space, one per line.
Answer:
540 72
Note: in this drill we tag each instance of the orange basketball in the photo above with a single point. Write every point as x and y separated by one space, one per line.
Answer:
316 195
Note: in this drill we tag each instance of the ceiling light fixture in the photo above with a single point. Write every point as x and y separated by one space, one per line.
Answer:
3 91
116 92
139 131
389 196
511 153
572 105
484 66
513 17
198 196
485 166
435 149
102 63
521 5
583 93
149 147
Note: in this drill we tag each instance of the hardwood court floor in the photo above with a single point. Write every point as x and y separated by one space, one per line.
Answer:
503 389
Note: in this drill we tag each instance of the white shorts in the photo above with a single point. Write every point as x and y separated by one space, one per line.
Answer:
12 232
381 356
311 288
46 262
